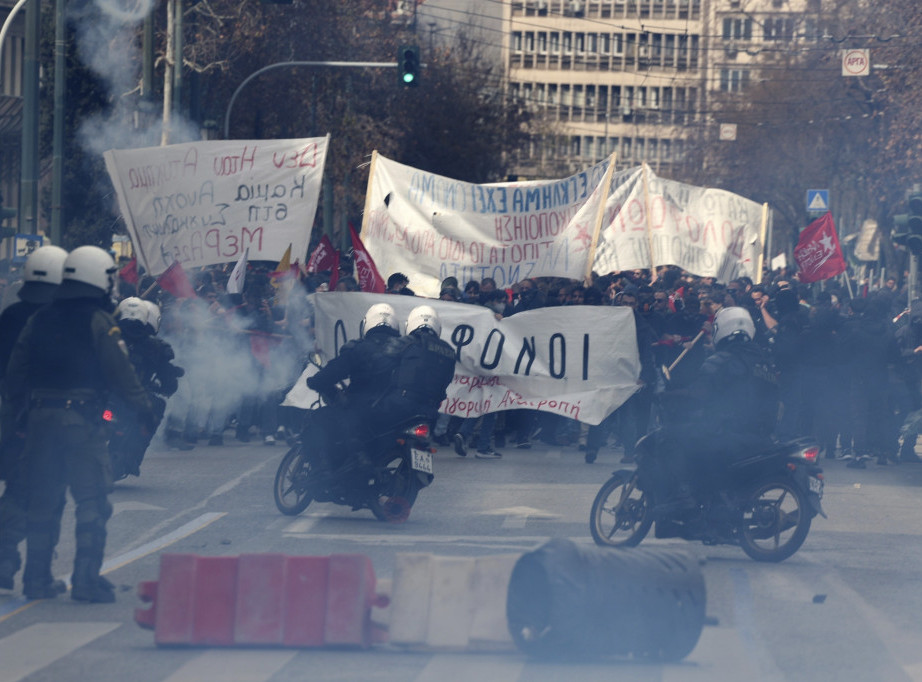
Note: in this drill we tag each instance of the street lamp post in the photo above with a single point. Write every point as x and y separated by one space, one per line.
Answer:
278 65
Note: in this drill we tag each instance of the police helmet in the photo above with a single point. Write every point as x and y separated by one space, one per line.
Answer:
153 315
42 274
89 272
132 308
380 315
732 323
424 317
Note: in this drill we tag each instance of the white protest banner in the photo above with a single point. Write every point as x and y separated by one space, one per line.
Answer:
576 361
430 227
709 232
202 203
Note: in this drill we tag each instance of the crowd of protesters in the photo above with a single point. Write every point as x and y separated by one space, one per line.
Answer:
848 366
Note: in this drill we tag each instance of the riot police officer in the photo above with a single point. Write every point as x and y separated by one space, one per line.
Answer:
41 276
369 364
139 321
66 360
727 412
426 368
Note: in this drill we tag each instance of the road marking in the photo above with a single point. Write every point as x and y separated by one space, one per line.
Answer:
752 647
232 666
461 668
132 505
32 648
719 654
903 645
14 606
304 524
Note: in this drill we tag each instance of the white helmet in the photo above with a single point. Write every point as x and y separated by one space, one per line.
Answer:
424 317
42 274
88 272
132 308
45 264
380 315
733 322
153 315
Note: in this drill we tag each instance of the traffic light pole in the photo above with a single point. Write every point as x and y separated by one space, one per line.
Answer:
279 65
913 277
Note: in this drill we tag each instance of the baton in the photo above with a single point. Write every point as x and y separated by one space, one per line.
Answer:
668 370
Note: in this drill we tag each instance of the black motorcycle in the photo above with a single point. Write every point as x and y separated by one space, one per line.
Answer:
764 503
397 465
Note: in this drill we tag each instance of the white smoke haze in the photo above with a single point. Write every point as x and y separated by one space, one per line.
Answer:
109 44
221 369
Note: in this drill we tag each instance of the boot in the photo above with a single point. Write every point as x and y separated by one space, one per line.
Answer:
37 582
7 573
88 585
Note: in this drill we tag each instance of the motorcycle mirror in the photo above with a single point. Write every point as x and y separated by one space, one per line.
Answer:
666 373
315 359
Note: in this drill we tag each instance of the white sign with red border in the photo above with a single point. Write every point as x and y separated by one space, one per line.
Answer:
856 62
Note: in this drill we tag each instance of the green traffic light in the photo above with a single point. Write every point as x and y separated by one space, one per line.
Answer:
408 78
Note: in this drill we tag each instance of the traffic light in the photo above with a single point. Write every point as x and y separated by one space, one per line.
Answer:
408 65
908 226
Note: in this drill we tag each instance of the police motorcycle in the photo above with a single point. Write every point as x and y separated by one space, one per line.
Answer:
397 466
764 503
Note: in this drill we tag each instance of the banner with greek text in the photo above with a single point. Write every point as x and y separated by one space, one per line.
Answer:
430 227
576 361
709 232
202 203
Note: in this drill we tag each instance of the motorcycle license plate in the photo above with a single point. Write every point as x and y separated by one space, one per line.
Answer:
421 460
816 486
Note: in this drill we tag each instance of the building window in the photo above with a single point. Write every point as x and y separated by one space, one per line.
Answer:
737 29
734 80
780 28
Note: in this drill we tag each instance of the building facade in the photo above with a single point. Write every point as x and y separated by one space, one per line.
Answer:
605 76
643 78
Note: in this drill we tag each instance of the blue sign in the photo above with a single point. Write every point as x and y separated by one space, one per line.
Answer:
817 200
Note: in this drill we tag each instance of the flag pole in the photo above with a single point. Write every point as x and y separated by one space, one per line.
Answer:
646 210
763 228
371 176
600 215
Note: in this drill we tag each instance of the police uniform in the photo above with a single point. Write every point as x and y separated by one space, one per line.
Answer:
67 359
426 368
369 364
14 501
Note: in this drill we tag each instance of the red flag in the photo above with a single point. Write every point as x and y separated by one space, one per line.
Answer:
129 273
175 280
818 253
323 257
369 279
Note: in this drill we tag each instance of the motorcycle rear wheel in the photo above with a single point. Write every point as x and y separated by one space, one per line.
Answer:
395 492
775 522
621 513
290 491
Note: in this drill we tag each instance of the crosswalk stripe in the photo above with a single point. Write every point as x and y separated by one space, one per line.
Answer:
39 645
232 666
461 668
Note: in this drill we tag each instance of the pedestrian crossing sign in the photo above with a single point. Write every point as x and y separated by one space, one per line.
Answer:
817 200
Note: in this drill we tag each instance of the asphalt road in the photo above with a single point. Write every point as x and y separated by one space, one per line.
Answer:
846 607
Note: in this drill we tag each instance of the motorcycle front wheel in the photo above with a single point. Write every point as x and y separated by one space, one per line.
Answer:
621 513
290 489
395 491
776 520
